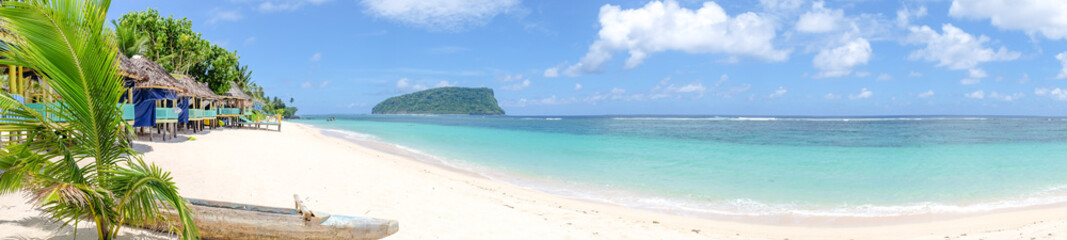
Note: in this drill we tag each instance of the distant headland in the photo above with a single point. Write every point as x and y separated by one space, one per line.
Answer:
446 100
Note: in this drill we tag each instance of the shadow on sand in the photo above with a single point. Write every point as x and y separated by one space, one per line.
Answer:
85 231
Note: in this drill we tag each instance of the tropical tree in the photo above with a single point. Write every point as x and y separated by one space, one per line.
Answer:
218 69
130 41
83 169
171 42
175 46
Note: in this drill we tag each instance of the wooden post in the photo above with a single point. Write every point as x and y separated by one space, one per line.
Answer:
22 84
11 79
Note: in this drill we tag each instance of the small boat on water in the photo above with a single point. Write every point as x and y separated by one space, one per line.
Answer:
225 220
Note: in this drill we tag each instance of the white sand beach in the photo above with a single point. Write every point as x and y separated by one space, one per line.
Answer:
431 202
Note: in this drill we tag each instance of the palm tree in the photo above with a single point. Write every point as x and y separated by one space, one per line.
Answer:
130 41
83 169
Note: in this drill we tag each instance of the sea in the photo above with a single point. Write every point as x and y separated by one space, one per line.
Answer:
746 166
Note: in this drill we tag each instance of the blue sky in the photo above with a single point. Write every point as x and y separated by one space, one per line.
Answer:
768 57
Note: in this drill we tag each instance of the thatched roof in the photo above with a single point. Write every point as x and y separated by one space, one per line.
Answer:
194 88
236 92
155 75
127 68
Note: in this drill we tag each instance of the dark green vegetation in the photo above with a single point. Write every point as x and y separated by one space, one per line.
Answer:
174 45
446 100
277 106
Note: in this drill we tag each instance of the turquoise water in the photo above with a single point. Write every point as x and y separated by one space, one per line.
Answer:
750 166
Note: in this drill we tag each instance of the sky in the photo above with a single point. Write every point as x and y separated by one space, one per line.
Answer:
766 57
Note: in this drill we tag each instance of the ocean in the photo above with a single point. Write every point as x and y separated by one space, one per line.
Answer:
747 166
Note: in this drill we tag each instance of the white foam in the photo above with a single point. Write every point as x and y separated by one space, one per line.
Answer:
734 207
350 134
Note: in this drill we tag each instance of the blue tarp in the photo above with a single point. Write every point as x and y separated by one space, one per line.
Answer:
183 104
144 103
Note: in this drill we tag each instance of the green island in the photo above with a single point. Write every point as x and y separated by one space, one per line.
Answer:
446 100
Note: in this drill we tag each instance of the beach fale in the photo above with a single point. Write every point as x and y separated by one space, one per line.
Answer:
197 103
154 95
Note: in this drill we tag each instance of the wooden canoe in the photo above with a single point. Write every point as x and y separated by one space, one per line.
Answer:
225 220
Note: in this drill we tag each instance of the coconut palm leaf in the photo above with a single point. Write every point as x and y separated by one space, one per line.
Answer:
83 168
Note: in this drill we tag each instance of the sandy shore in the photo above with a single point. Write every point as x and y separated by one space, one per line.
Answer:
341 177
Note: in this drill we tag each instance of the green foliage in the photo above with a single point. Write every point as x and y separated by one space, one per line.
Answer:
130 41
175 46
447 100
217 70
84 168
277 106
172 42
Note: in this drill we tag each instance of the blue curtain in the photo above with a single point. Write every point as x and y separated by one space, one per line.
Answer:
183 103
144 104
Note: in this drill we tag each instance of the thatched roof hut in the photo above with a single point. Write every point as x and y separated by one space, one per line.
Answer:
194 88
155 76
236 92
127 68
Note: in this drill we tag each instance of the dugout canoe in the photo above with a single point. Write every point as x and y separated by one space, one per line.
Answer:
226 220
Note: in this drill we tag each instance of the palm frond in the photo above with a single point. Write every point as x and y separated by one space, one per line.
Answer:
144 186
72 169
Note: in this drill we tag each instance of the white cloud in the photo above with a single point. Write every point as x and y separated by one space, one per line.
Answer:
864 93
440 15
510 77
324 83
915 74
224 16
286 5
863 74
577 86
974 76
1031 16
444 83
1005 97
781 5
957 50
250 40
906 15
926 94
884 77
832 96
665 26
405 85
1063 61
1056 93
315 57
552 72
667 90
838 62
995 95
305 85
518 86
691 88
781 91
820 19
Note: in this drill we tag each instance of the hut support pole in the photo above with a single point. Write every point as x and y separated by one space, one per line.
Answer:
22 84
11 79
